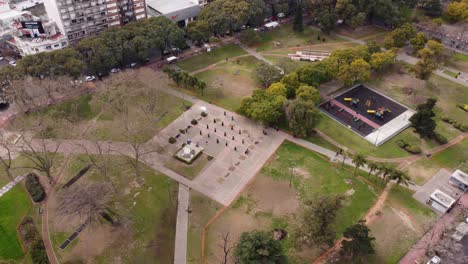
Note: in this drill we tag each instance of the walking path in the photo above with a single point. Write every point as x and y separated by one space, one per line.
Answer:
180 252
10 185
258 56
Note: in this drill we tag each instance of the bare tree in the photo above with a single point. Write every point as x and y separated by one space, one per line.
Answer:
227 247
42 154
100 158
87 201
6 157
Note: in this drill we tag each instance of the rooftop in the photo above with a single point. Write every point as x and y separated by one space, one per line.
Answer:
442 198
460 176
169 6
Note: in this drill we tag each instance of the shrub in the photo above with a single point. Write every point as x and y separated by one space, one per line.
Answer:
182 131
34 187
194 122
204 114
440 138
446 119
401 143
38 252
172 140
413 149
32 240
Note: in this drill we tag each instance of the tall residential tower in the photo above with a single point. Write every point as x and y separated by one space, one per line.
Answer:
82 18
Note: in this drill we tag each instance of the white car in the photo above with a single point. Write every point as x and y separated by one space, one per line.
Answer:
434 260
115 70
90 78
1 58
281 15
12 63
133 65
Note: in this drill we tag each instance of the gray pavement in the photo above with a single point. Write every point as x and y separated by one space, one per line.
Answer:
180 252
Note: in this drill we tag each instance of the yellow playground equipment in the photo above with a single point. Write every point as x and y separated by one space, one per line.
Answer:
352 101
379 112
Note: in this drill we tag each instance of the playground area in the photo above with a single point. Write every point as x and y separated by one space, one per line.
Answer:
370 114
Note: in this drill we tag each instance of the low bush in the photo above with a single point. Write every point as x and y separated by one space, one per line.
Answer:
172 140
440 138
204 114
182 131
413 149
34 187
458 125
33 241
194 122
401 143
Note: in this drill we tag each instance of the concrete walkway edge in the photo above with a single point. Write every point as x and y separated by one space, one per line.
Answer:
180 250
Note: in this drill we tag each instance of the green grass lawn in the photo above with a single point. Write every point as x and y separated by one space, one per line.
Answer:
450 73
203 208
13 207
453 156
208 58
348 138
228 82
461 57
190 171
285 36
149 211
325 179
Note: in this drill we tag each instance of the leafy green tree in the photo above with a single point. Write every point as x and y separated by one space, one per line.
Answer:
457 11
382 60
358 20
423 68
400 36
357 242
385 170
373 47
400 177
327 19
422 120
302 117
438 50
259 247
266 74
298 23
264 107
431 7
358 71
308 93
225 15
257 11
316 74
316 220
419 41
198 31
249 37
373 166
292 83
359 160
278 89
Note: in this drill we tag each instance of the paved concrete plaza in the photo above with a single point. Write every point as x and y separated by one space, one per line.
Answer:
238 145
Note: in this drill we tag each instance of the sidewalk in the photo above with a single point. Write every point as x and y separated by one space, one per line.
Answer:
180 251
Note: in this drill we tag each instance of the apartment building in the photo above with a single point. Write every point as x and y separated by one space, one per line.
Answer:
83 18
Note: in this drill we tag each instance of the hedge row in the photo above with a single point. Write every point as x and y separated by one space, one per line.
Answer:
458 125
34 187
33 241
410 148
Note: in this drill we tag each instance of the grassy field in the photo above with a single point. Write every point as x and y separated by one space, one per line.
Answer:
228 82
13 207
129 99
458 61
147 214
285 36
203 208
450 73
407 218
260 208
208 58
190 171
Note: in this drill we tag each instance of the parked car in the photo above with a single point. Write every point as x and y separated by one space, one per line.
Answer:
90 78
12 63
115 70
281 15
1 58
133 65
434 260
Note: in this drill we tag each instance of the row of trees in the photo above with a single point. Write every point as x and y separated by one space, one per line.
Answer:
385 171
186 80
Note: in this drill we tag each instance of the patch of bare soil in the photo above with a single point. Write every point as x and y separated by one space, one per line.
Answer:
94 240
273 196
231 84
405 219
302 172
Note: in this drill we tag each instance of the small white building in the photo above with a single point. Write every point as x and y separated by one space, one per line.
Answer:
30 41
459 179
460 232
441 201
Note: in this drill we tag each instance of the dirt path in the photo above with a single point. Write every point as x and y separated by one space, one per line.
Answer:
369 217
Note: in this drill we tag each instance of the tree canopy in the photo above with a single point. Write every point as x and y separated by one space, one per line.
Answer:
259 247
263 106
357 242
422 120
302 117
